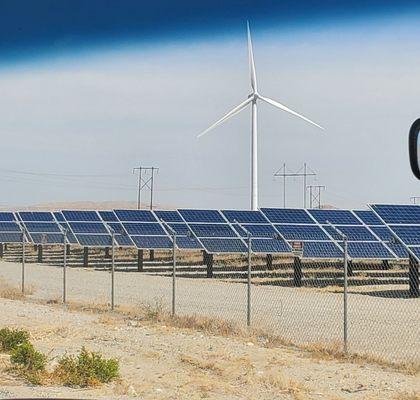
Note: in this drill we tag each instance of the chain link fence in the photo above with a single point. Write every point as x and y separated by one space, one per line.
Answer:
299 301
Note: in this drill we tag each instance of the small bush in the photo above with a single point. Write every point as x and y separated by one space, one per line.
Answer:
86 369
10 339
26 357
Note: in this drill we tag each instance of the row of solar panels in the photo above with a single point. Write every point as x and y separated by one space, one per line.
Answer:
273 230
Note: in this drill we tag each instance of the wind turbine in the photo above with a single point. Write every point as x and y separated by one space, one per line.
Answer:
252 99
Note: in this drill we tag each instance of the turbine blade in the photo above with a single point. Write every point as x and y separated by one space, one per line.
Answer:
227 116
251 60
284 108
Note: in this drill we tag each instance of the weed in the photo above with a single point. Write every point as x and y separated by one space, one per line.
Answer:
10 339
25 356
86 369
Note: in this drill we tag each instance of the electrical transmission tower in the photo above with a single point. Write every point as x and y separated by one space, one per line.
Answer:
304 172
146 179
315 195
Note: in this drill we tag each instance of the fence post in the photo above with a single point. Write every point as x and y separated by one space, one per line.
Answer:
248 313
345 324
64 266
113 271
23 261
173 271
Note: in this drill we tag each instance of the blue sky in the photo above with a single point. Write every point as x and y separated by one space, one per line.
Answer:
91 89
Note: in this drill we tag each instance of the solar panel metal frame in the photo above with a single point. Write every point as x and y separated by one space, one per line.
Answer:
147 238
80 235
41 237
411 249
12 236
121 239
207 241
257 242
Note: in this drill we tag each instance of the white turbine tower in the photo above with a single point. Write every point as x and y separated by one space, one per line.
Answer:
252 99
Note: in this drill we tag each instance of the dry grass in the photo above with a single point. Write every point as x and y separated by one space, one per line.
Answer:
203 365
283 384
408 396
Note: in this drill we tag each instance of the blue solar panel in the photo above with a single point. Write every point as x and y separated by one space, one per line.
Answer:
108 216
256 230
398 214
302 232
42 227
287 216
399 250
270 246
144 229
335 217
218 245
46 238
7 217
181 229
70 236
168 215
324 250
152 242
91 240
36 216
187 243
409 234
59 217
212 216
416 251
9 227
244 217
382 232
81 216
135 215
368 250
353 233
212 230
10 237
87 227
368 217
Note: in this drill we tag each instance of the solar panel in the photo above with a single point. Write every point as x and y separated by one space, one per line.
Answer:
409 234
353 233
41 227
223 245
256 230
244 217
269 246
108 216
335 217
368 217
185 240
321 250
368 250
10 231
302 232
201 216
398 214
287 216
87 227
144 229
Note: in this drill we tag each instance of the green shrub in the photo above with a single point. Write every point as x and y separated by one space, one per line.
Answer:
26 357
10 339
86 369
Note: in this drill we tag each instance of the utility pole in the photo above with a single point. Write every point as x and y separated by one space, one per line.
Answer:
315 195
414 199
145 181
304 172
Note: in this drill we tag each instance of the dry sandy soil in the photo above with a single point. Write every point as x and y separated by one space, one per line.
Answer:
163 362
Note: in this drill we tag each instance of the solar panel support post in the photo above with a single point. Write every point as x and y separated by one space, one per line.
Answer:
85 257
140 260
413 277
269 259
107 254
68 248
350 271
151 255
40 253
208 261
385 264
1 250
297 272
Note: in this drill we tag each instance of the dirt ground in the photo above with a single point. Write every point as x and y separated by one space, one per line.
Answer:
163 362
